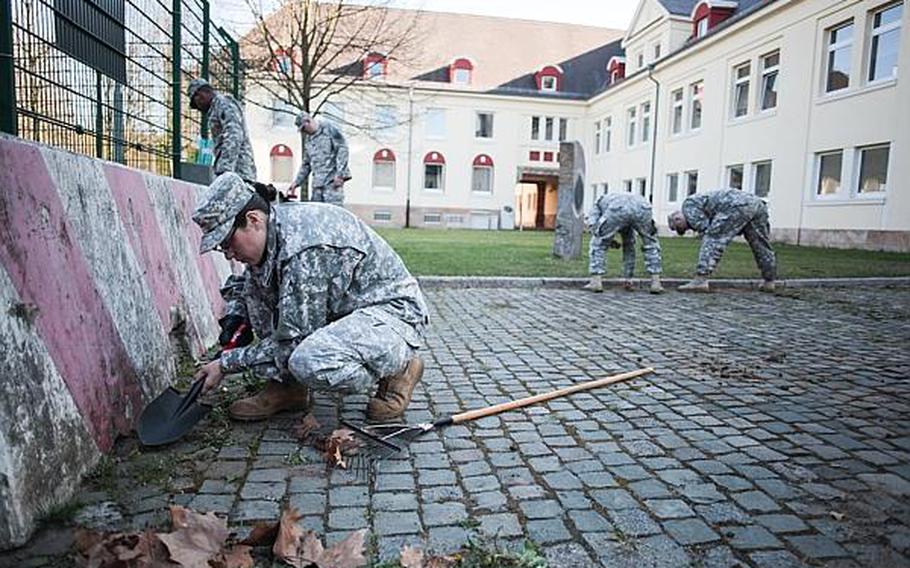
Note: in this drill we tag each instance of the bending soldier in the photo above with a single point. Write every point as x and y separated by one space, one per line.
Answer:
624 214
230 139
333 306
325 154
720 216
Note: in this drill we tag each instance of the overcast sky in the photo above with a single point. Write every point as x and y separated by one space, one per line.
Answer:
235 14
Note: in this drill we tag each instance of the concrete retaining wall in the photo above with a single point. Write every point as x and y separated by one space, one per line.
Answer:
93 259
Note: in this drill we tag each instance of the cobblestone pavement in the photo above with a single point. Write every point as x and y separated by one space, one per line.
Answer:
775 432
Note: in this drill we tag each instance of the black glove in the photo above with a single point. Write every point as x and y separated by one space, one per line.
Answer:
614 244
229 325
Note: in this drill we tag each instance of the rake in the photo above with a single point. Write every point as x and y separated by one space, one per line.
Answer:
387 434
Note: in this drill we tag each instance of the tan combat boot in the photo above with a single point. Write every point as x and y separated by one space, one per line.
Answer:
596 284
698 284
656 286
394 393
767 286
274 398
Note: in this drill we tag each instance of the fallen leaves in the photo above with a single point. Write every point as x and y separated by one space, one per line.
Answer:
306 428
197 539
412 557
335 446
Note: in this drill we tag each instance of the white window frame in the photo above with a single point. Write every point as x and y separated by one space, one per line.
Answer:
548 128
875 32
563 129
754 184
834 47
394 175
642 186
701 27
860 153
631 126
597 136
769 74
689 175
640 59
437 218
608 133
548 83
656 51
741 82
696 96
627 185
645 112
677 111
382 216
442 178
742 175
474 170
461 76
535 132
672 180
816 186
478 122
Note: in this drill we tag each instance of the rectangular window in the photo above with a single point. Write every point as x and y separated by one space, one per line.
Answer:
631 125
770 64
462 76
436 123
608 133
645 122
432 218
597 137
691 182
382 216
642 186
695 93
482 179
641 60
735 176
453 219
386 119
673 188
548 128
384 174
830 165
873 169
676 112
741 90
885 43
433 177
627 185
535 128
761 178
484 125
701 27
837 65
548 83
563 128
656 51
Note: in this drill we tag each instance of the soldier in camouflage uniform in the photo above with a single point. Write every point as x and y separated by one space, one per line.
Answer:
720 216
333 306
624 214
325 154
231 141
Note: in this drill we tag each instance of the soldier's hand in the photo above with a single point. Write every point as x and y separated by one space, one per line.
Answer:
337 182
212 374
614 244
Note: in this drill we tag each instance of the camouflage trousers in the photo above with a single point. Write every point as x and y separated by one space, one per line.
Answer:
351 354
640 223
327 195
756 229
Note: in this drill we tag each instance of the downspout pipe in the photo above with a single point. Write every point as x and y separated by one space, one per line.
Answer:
653 131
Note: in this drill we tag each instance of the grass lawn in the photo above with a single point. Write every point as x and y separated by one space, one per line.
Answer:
529 253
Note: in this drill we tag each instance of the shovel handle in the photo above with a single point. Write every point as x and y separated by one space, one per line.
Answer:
191 395
522 402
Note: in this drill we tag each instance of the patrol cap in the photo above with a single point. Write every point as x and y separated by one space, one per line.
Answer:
219 206
194 87
304 115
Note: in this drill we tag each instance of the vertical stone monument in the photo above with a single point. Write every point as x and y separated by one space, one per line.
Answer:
570 201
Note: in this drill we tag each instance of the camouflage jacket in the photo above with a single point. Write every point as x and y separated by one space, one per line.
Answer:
616 205
322 263
326 155
721 212
231 141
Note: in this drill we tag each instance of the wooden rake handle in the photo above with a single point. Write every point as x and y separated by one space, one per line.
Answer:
522 402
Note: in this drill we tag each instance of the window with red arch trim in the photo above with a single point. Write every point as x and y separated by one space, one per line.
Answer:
281 159
384 169
482 174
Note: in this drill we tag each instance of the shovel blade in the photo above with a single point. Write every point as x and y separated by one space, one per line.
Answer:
167 418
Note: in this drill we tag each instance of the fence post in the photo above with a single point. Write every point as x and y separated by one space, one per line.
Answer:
99 118
206 54
7 74
176 134
235 56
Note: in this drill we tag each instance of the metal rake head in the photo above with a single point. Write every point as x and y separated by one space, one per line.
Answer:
387 434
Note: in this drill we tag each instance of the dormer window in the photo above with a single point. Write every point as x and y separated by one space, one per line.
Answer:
616 69
549 78
374 66
701 27
460 71
709 13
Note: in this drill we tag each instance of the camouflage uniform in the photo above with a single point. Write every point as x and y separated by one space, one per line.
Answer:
332 304
625 214
232 150
722 215
326 155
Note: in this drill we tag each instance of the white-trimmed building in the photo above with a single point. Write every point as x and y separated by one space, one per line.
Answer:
797 101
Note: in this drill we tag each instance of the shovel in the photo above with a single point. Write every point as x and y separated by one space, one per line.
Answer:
387 434
167 418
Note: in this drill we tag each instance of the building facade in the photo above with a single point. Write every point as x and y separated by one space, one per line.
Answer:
797 101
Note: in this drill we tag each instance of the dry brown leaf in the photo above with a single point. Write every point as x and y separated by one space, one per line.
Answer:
440 562
346 554
411 557
198 537
263 534
306 427
339 443
121 550
287 541
234 557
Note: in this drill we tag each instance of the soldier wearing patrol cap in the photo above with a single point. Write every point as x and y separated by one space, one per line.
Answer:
231 141
325 154
333 306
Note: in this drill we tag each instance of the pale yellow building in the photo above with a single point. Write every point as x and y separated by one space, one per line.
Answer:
797 101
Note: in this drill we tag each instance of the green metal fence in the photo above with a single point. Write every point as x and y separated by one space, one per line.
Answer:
108 77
